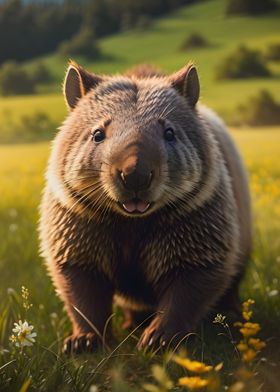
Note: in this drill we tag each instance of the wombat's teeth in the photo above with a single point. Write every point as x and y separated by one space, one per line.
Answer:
136 206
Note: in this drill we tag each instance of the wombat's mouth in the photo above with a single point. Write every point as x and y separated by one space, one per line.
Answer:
135 206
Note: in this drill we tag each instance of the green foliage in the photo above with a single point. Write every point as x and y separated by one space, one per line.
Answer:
29 29
32 28
27 128
194 41
41 74
159 46
242 63
250 7
15 80
144 22
262 109
273 52
82 44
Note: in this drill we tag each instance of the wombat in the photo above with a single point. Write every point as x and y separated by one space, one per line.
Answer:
146 202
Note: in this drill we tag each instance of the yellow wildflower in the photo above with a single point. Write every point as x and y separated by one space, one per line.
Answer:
161 376
13 338
242 346
25 297
247 315
244 374
250 329
238 386
249 302
193 366
257 343
193 383
218 367
249 355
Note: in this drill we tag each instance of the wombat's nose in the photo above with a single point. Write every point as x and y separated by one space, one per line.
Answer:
135 179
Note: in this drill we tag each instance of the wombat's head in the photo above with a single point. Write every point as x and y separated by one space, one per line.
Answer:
129 144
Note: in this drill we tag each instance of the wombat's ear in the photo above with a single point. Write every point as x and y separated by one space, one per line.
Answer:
77 83
186 82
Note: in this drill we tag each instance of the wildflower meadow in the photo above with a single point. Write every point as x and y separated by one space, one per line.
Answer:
225 353
233 353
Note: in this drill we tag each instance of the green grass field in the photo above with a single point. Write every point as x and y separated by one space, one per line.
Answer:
21 179
159 45
42 367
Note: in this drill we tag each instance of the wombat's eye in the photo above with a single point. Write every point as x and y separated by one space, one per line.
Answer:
169 134
98 135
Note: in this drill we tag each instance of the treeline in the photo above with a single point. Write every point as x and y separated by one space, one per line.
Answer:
30 29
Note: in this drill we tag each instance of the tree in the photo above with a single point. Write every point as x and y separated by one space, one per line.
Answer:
82 44
250 7
273 52
41 74
261 109
15 80
193 41
243 63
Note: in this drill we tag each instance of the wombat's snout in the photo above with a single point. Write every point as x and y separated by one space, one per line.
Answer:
135 178
135 174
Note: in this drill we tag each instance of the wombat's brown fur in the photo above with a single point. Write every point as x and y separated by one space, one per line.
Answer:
146 201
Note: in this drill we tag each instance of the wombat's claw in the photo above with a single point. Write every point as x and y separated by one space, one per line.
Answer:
157 336
151 336
77 344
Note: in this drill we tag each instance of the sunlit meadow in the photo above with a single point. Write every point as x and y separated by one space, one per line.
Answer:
39 366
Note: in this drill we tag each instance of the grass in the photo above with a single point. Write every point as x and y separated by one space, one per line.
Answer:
159 45
21 179
42 367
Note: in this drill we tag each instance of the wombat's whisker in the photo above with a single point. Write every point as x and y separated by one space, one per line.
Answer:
94 204
77 179
83 172
86 186
85 196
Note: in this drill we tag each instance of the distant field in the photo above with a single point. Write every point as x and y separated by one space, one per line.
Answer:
17 106
159 45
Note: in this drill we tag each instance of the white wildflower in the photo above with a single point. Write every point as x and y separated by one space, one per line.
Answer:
23 335
13 212
13 227
273 293
93 388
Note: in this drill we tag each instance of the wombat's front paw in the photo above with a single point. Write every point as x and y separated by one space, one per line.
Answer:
80 343
159 334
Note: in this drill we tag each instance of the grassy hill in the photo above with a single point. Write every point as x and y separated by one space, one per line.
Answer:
159 45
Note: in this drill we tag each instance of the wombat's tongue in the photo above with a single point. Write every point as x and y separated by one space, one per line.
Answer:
136 206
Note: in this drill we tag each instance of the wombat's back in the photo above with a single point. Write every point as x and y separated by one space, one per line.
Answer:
238 176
